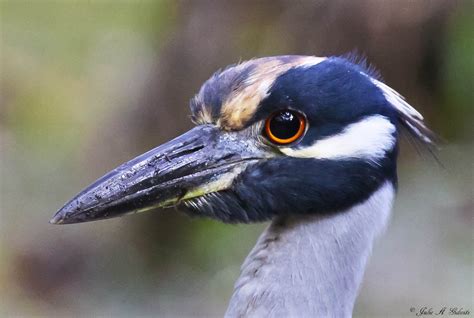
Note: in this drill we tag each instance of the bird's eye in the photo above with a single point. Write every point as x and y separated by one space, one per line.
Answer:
285 127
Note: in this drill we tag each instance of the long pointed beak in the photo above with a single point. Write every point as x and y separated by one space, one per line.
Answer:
203 160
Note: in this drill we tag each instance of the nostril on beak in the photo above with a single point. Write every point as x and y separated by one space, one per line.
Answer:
184 151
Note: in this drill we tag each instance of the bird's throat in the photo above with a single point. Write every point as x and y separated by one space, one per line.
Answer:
311 266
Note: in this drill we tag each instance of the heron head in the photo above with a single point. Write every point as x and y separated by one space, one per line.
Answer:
273 136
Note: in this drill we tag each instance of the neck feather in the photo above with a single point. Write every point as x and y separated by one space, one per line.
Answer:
311 266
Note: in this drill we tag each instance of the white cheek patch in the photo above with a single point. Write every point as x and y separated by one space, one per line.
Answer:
367 139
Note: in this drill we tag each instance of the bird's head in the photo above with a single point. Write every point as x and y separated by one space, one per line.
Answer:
274 136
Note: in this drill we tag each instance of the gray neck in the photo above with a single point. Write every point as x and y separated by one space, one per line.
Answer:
311 266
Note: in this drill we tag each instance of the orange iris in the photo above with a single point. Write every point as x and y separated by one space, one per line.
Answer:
285 127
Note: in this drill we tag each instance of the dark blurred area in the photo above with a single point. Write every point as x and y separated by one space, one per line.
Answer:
88 85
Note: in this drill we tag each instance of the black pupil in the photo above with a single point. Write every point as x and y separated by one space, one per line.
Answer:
285 125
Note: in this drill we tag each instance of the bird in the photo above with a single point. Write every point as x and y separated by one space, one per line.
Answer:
309 144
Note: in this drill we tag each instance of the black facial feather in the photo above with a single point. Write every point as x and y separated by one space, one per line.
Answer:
360 60
332 95
289 185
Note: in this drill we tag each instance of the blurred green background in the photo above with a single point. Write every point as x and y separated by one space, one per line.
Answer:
86 85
